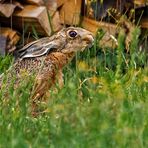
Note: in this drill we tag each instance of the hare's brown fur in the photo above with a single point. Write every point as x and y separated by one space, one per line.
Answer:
47 56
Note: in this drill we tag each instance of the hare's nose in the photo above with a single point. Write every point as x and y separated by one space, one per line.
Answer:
88 38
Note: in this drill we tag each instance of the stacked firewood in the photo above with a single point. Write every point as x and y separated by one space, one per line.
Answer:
38 17
29 14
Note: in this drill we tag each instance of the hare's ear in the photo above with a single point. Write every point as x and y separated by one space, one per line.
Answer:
38 48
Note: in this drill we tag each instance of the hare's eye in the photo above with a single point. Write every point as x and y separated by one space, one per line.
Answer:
72 34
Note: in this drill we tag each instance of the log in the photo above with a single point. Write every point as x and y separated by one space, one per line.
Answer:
35 14
70 12
51 5
30 17
56 22
7 9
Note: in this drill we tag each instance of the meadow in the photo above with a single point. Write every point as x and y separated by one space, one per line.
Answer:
104 103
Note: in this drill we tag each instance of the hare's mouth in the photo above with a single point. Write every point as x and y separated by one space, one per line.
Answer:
86 47
89 39
90 45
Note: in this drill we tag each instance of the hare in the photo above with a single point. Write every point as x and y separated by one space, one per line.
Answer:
47 56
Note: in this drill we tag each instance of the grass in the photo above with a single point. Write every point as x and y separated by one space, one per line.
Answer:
103 104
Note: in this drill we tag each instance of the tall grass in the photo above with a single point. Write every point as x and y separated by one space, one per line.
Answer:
102 104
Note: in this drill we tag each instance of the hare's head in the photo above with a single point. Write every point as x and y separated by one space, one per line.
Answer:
75 39
67 40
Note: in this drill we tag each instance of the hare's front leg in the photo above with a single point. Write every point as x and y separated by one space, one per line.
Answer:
42 84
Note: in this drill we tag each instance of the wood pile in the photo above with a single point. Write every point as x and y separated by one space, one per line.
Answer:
37 17
29 14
